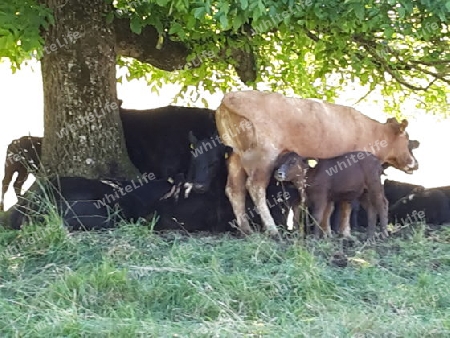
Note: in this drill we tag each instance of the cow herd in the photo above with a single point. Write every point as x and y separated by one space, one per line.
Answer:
241 168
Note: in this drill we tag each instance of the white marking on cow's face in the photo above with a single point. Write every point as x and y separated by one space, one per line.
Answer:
411 197
188 186
413 163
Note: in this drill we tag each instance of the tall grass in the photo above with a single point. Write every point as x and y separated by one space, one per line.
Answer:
131 282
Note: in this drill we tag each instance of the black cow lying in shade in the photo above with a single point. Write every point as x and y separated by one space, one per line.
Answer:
87 204
22 157
395 190
155 139
430 206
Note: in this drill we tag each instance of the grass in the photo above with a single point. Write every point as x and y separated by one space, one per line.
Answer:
131 282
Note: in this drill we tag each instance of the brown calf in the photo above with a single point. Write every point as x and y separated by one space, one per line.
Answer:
259 126
338 180
22 156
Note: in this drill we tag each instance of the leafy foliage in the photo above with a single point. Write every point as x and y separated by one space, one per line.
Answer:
313 48
20 24
401 46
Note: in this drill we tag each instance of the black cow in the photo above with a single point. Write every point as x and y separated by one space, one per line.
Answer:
444 189
22 157
156 139
65 193
90 204
394 190
208 201
430 206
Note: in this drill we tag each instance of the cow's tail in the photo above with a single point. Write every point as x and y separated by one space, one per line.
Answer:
235 130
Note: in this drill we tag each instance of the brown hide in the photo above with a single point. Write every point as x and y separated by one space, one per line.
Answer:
269 123
261 125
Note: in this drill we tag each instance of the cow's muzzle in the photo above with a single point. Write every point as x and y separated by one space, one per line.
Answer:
199 187
280 175
414 165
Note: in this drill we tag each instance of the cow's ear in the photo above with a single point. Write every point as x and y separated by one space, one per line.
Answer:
398 127
414 144
311 162
192 139
228 151
403 125
392 120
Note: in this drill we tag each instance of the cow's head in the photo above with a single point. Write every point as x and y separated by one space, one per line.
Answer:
290 167
400 154
207 158
413 144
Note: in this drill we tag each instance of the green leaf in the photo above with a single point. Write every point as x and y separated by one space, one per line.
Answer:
359 11
388 32
224 22
237 22
191 22
162 3
175 28
244 4
199 12
135 25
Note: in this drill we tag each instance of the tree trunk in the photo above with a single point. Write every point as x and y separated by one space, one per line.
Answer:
83 133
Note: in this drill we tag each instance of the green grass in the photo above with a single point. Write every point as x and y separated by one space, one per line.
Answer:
130 282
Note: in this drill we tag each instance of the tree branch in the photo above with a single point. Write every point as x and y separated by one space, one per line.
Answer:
170 56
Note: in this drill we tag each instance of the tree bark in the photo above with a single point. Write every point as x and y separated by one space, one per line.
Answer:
83 133
142 46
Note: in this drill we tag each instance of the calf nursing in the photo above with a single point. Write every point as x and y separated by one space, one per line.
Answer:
325 185
275 124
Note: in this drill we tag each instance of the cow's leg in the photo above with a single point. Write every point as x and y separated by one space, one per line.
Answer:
381 204
326 226
298 222
321 224
7 178
235 191
371 222
344 222
367 204
20 180
256 184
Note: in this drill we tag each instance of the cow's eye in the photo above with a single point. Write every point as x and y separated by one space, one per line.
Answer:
191 146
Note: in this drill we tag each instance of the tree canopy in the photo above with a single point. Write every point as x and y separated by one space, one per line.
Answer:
313 48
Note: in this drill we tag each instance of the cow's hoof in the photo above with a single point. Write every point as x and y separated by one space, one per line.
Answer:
272 232
246 231
348 237
371 239
384 234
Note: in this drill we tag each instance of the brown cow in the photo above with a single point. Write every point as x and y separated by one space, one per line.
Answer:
259 126
329 182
